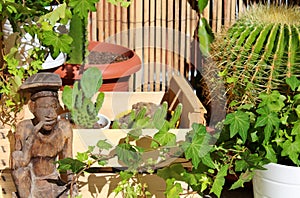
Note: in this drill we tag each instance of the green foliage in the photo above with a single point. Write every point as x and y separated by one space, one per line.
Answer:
79 99
18 63
258 52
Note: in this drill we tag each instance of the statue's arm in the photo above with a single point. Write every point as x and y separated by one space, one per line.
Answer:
24 137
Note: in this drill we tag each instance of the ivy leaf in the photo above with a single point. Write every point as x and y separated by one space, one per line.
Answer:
82 156
291 149
70 164
83 7
293 82
102 144
164 138
296 128
270 153
129 155
59 43
239 123
199 147
244 177
174 171
219 180
268 120
205 36
173 189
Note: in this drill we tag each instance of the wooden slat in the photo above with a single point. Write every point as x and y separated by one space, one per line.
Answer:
100 20
146 44
124 26
170 39
112 20
158 44
164 8
136 15
106 20
118 19
219 17
151 44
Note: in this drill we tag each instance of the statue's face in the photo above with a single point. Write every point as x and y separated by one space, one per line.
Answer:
46 109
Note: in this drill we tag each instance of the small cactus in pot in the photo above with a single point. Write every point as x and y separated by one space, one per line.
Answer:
79 99
258 52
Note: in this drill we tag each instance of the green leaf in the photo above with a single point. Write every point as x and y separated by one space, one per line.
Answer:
82 156
219 180
270 153
293 82
103 144
173 189
205 36
199 147
129 155
70 164
239 124
174 171
83 7
291 149
164 138
59 43
202 5
244 177
296 128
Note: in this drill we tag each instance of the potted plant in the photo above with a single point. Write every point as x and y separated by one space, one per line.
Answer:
79 100
132 154
28 18
84 54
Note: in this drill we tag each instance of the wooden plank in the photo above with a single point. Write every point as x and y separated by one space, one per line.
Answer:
233 11
170 39
124 27
100 20
112 21
146 52
219 17
183 41
106 20
158 44
214 17
164 8
136 21
118 19
152 45
176 48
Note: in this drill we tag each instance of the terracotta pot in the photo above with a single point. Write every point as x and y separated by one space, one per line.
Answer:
115 75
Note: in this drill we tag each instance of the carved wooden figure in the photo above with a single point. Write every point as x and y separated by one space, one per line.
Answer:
40 141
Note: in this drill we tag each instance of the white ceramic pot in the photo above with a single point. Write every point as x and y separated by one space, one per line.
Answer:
278 181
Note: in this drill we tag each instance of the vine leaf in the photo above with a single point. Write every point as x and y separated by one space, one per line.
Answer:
82 7
199 147
219 181
239 124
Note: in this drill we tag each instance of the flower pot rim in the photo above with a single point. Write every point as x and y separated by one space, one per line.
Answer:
118 69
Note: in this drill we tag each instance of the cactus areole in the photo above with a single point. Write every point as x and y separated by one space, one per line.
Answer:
259 51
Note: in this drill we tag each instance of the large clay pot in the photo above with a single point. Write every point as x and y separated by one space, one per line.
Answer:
115 75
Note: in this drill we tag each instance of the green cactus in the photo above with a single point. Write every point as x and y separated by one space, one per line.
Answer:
258 52
79 99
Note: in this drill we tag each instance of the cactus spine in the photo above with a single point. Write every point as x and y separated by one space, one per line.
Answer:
259 51
79 99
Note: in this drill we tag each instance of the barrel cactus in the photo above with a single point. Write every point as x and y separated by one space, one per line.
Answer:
79 99
258 52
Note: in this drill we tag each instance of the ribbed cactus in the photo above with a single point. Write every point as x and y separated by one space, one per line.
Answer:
79 99
259 51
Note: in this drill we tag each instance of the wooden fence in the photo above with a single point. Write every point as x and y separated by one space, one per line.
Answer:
162 33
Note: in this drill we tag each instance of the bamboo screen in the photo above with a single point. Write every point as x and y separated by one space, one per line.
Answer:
162 34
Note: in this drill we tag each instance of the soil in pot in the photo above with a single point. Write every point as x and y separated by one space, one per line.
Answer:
96 57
